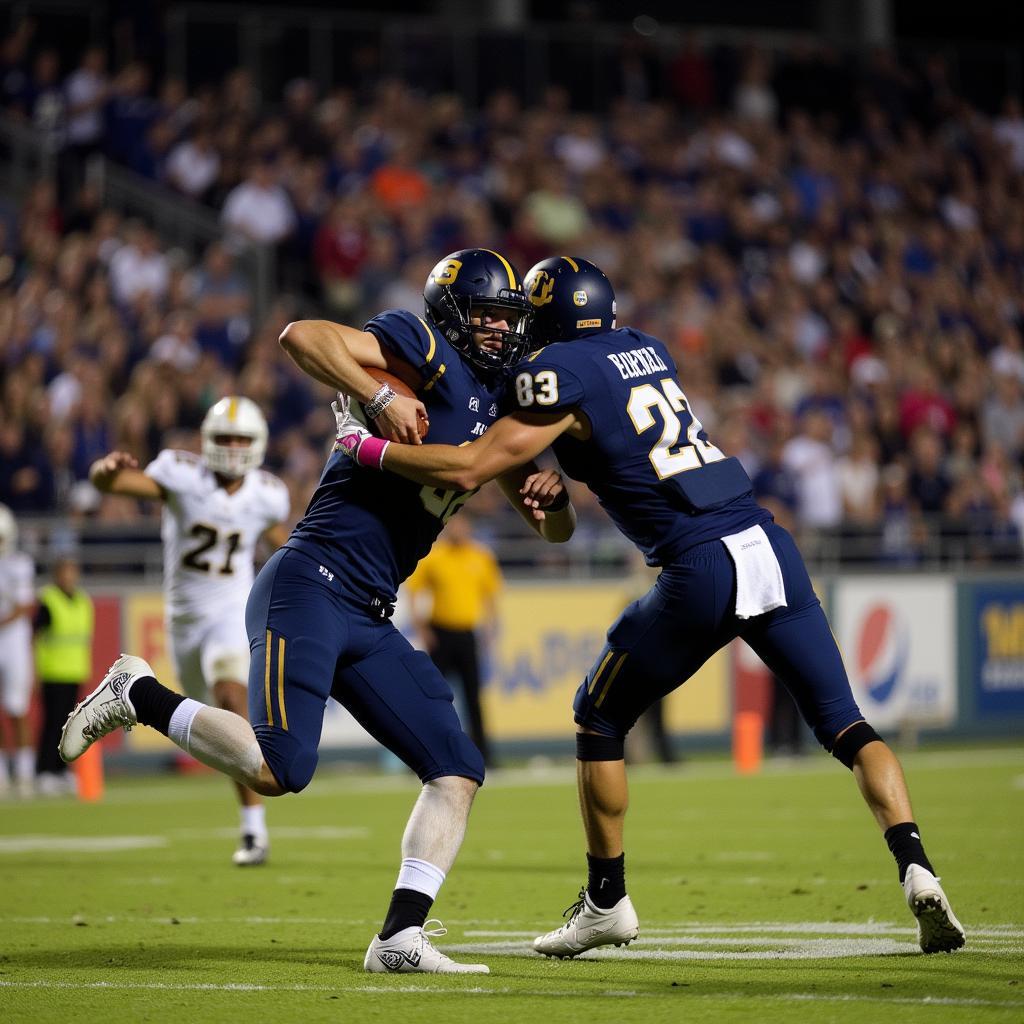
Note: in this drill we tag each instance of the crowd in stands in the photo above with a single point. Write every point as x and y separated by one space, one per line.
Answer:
833 251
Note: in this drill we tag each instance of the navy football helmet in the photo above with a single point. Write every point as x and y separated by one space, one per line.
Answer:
473 279
571 298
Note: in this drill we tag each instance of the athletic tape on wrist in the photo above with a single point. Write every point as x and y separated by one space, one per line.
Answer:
381 399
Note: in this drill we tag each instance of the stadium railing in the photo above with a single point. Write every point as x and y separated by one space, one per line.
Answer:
133 550
181 221
26 157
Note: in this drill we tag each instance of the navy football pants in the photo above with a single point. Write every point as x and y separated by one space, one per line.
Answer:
660 640
310 638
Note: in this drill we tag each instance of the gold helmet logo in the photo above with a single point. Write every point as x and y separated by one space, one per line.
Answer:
446 271
541 288
580 298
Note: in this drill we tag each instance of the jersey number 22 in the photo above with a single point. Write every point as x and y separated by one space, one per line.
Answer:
669 456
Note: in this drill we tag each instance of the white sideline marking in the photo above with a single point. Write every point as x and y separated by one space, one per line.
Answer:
326 832
881 928
78 844
397 989
401 989
696 933
811 949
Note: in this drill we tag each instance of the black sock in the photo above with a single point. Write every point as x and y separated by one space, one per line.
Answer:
905 843
408 909
153 702
607 882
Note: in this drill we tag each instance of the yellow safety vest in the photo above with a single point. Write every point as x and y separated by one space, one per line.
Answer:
64 648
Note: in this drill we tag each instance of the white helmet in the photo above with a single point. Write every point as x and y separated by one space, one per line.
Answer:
234 416
8 531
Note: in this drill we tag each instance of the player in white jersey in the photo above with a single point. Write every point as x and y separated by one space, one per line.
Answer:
17 601
215 510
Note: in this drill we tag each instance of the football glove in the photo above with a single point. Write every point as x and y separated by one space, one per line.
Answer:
353 439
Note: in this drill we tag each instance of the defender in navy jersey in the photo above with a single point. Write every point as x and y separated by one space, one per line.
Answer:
610 404
318 614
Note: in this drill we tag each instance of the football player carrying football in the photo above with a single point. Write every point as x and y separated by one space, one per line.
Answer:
318 616
610 404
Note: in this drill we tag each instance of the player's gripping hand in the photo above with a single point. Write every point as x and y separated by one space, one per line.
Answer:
103 471
353 439
543 492
403 420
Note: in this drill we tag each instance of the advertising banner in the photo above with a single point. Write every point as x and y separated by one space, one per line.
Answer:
998 617
549 637
897 636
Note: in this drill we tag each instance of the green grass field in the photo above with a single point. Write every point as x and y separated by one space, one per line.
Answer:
770 898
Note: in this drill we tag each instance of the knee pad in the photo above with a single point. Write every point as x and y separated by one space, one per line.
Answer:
292 762
599 748
846 748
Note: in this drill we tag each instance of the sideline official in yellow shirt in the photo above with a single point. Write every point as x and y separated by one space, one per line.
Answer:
64 623
462 579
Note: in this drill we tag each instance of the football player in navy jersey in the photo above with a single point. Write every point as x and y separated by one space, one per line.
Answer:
610 404
318 614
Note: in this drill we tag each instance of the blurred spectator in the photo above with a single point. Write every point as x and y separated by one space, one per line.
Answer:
859 480
1002 415
130 112
810 459
85 93
45 98
928 486
259 208
139 269
221 301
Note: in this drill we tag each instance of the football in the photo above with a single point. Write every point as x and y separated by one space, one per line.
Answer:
398 385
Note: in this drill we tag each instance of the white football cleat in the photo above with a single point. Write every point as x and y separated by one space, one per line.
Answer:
252 851
938 930
590 926
410 951
106 708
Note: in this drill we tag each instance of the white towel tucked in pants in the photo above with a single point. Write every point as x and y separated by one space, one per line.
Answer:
759 584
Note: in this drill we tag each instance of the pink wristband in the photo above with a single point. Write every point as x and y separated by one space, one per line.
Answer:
371 452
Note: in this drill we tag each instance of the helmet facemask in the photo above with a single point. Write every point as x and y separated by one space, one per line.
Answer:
453 314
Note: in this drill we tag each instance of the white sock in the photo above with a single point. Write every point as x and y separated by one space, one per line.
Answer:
181 721
254 820
25 764
5 768
420 875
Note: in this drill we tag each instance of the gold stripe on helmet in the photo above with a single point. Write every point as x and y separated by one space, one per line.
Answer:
508 268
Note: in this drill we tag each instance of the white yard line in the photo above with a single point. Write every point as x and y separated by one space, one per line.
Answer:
818 949
691 933
78 844
453 989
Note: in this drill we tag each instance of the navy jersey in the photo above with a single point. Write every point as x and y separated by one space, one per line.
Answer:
372 528
648 459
